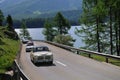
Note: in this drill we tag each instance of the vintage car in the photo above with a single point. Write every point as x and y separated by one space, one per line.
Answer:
41 54
29 46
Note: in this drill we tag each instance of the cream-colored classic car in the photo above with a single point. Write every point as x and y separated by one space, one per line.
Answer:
41 54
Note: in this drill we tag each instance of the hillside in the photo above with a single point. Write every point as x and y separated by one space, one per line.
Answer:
9 47
34 8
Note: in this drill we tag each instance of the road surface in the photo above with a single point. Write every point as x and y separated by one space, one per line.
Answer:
67 66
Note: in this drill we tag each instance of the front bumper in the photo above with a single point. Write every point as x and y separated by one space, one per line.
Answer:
42 59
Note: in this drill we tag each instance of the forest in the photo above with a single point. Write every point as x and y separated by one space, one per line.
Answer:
100 22
38 22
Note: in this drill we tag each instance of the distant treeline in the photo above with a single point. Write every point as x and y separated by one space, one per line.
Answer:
36 22
30 23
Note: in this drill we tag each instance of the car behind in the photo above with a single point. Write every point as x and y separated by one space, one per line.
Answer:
24 40
29 46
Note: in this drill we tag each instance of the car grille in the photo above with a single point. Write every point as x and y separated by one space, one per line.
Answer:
40 58
44 58
47 57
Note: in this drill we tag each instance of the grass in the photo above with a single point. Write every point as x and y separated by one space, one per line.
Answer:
102 59
8 51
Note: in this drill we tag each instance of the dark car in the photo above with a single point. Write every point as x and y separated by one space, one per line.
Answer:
24 40
29 46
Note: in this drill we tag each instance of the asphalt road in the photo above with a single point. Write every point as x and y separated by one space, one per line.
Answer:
68 66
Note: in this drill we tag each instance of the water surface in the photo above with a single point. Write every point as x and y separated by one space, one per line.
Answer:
36 34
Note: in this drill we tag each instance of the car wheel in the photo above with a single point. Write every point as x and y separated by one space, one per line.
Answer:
32 61
51 62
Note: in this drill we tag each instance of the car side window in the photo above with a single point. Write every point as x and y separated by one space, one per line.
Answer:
45 49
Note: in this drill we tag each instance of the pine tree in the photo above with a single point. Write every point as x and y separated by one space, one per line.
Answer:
10 23
24 31
48 31
1 18
116 9
61 24
101 25
93 15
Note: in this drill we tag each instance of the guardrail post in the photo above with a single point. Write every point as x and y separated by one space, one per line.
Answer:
77 52
107 60
89 55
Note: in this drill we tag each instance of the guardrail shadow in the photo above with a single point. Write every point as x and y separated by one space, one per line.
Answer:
5 77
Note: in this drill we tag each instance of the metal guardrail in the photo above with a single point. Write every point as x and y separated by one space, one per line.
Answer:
19 74
107 56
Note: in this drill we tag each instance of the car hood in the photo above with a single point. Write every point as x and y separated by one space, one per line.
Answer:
44 53
29 46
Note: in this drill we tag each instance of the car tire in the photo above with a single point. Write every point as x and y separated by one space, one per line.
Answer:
51 62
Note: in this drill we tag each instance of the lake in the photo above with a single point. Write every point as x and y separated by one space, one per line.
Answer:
36 34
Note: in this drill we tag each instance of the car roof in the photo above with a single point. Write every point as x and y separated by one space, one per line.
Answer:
40 46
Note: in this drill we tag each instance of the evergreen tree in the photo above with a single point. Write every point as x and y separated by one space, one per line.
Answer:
10 23
48 31
61 24
92 18
113 15
58 30
24 31
116 20
101 25
1 18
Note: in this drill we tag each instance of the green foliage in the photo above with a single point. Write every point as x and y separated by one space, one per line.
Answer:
64 39
10 23
5 33
101 25
48 31
57 30
8 49
1 18
102 59
38 22
9 46
24 31
99 9
61 24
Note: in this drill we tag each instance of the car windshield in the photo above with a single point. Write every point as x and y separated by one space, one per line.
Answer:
38 49
30 44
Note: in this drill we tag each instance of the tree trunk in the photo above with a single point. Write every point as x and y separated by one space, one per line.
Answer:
111 38
119 41
117 46
116 34
97 25
98 40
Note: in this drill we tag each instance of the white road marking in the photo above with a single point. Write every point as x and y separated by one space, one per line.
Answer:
61 63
